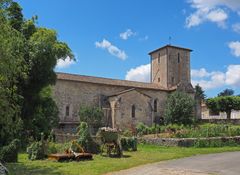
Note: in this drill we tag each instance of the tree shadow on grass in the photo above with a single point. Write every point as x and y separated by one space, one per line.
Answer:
21 169
116 156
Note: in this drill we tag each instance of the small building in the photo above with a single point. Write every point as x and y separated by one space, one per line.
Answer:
207 114
125 103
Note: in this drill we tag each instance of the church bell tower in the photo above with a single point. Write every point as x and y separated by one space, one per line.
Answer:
170 66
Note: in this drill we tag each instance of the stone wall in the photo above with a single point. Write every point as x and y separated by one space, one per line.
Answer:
178 70
222 115
170 66
75 94
159 67
123 109
221 121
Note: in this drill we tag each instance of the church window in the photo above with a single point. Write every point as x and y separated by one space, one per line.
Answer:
155 105
133 111
159 79
172 79
178 58
67 110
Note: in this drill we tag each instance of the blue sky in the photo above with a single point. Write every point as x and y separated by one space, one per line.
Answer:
112 38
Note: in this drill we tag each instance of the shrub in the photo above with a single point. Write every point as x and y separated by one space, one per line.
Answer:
127 133
85 139
9 153
51 136
214 143
179 109
51 149
210 130
37 150
141 129
58 147
129 143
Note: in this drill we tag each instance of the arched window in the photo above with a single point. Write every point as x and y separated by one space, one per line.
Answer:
155 105
67 110
133 111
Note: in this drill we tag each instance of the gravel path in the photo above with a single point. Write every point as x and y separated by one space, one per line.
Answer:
227 163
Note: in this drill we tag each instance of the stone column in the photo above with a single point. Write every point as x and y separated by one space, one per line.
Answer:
113 112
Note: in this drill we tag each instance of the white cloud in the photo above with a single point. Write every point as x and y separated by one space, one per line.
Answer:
202 15
235 48
128 33
215 79
145 38
140 73
211 10
233 75
64 63
236 27
113 50
207 80
199 73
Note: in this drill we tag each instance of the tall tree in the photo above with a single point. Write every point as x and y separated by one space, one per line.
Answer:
179 109
199 92
15 16
226 92
11 67
28 56
44 51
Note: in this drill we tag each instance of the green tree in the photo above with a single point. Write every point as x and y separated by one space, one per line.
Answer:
44 51
199 93
212 104
15 16
11 68
91 115
179 108
224 104
45 116
226 92
28 56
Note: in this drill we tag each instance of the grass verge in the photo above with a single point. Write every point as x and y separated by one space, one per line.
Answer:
101 165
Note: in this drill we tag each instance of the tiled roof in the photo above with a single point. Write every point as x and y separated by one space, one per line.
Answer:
176 47
111 82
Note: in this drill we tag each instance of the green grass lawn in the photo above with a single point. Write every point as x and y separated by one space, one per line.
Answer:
102 165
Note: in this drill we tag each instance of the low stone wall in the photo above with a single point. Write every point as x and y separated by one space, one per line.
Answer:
184 142
220 121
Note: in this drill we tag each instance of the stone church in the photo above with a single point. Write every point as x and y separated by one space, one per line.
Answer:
125 103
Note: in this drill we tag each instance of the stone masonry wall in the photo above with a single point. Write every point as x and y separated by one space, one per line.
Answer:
75 94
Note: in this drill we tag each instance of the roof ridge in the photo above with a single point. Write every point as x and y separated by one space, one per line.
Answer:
108 81
89 76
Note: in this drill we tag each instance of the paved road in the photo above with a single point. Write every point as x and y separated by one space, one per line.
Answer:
218 164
